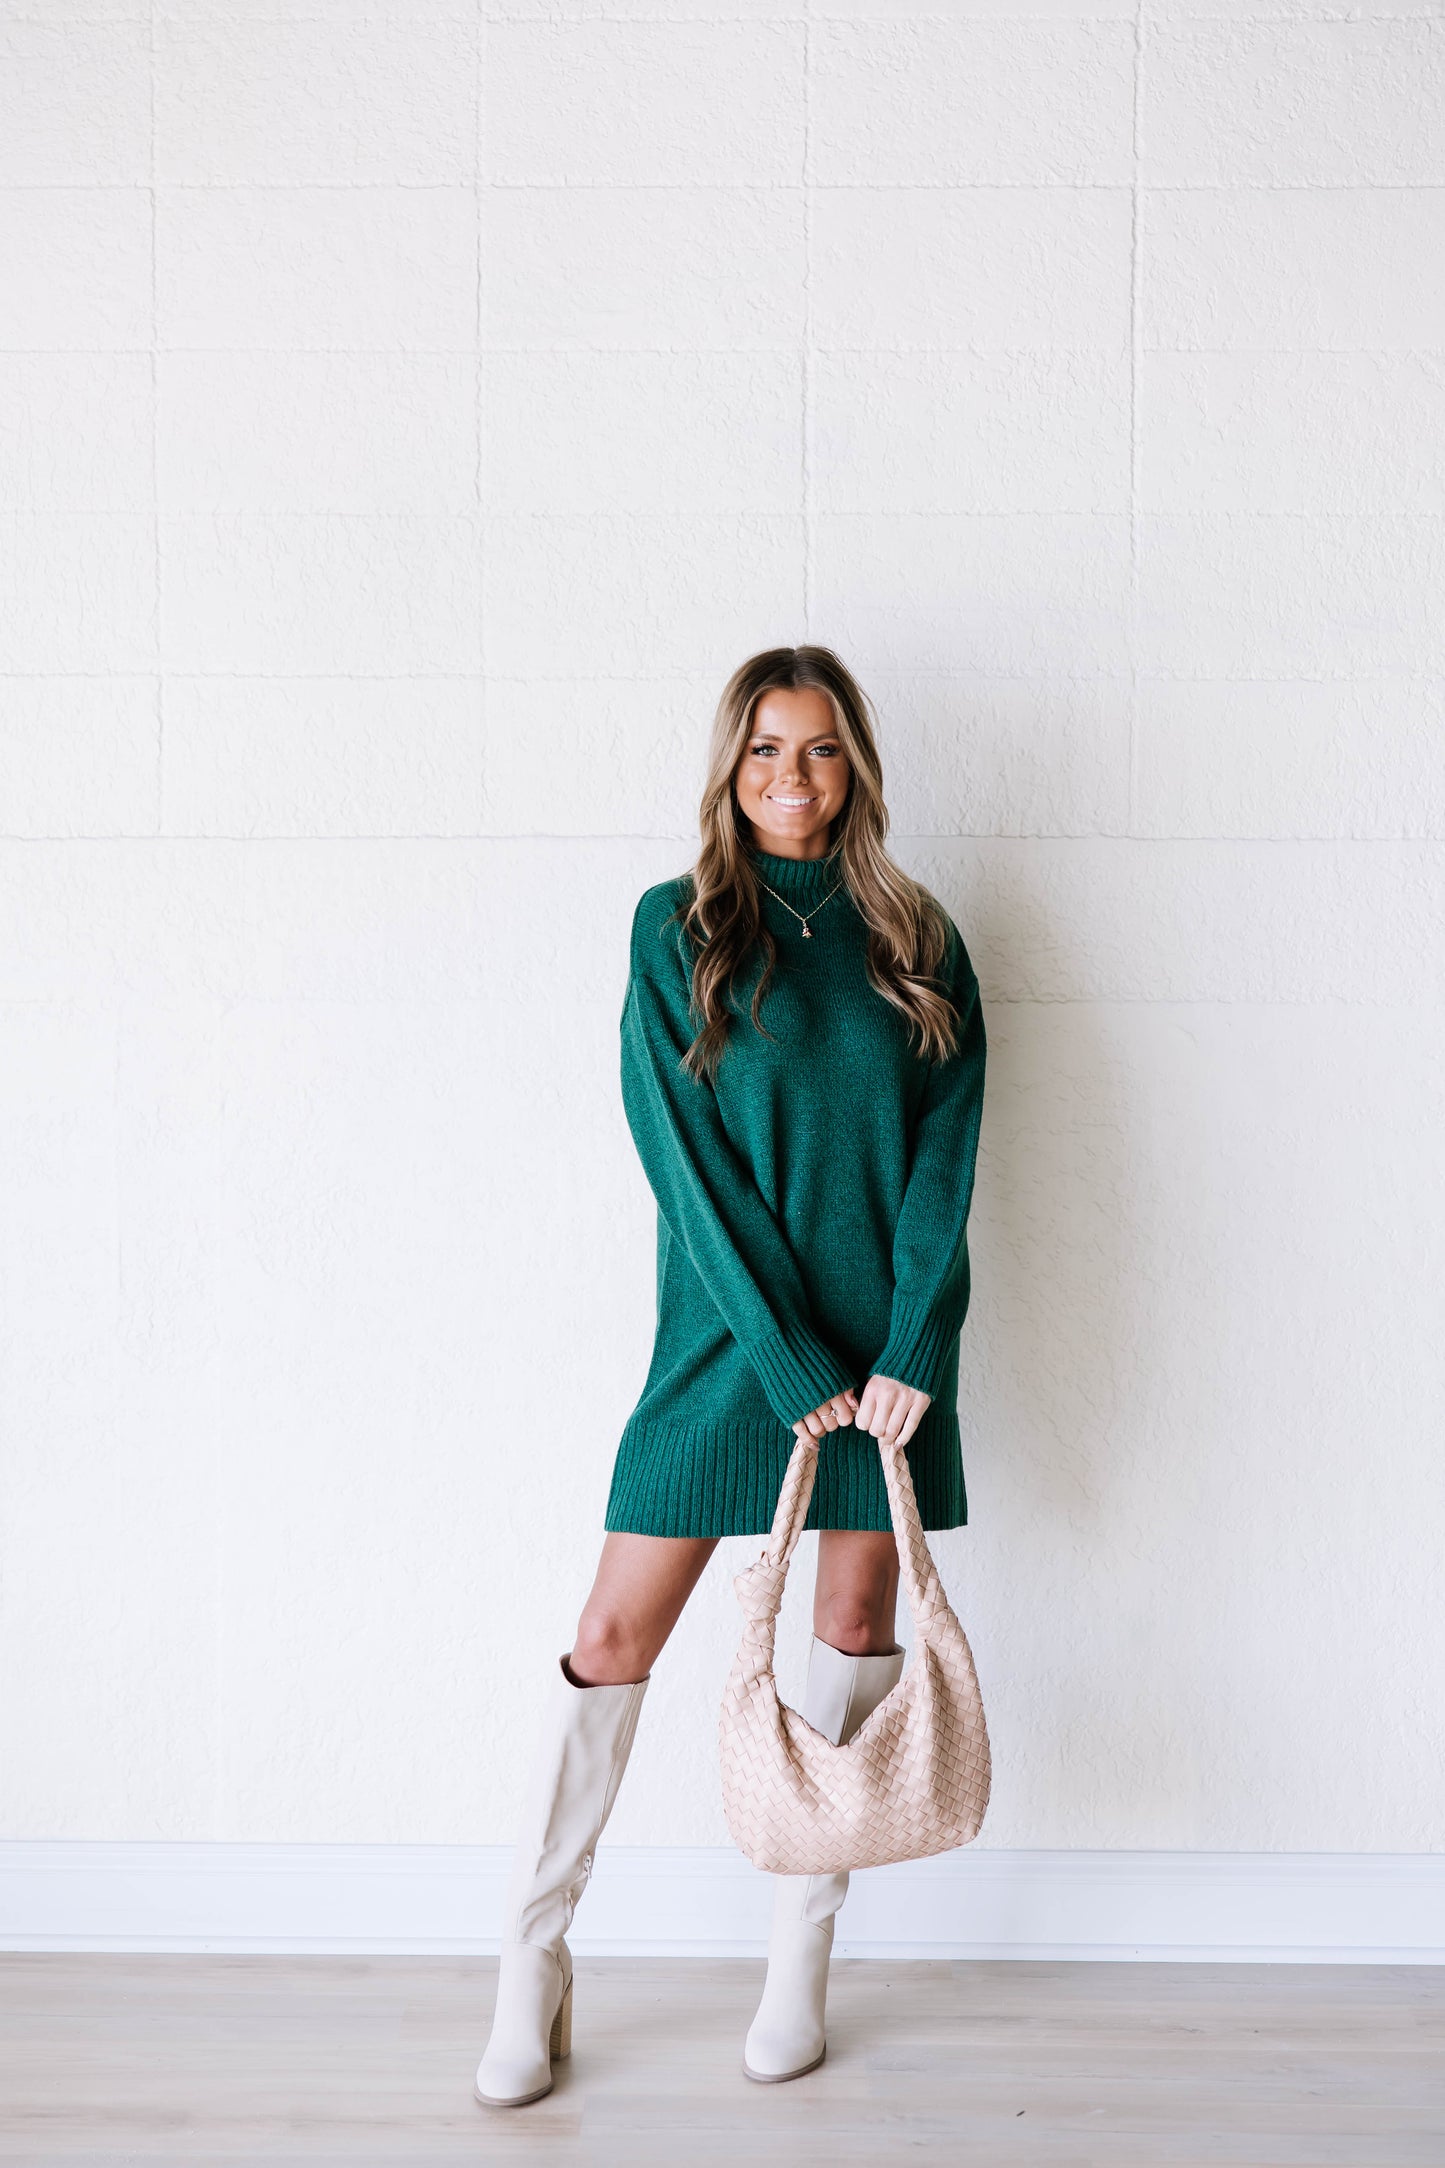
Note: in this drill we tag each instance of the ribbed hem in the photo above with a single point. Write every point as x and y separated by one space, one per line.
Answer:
704 1479
918 1342
798 1372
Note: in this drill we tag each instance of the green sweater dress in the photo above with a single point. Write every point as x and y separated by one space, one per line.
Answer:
812 1221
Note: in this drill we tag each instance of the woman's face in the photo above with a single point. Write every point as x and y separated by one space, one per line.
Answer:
792 779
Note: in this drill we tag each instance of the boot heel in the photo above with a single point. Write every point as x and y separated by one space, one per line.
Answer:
560 2043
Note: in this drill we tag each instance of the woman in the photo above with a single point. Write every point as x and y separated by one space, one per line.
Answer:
802 1071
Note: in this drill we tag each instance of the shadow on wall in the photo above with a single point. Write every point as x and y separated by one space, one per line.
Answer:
1096 1228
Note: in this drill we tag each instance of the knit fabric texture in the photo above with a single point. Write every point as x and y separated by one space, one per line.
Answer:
812 1226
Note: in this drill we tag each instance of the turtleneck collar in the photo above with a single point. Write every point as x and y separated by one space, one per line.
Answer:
802 881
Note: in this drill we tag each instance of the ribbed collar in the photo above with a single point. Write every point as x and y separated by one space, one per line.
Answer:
803 882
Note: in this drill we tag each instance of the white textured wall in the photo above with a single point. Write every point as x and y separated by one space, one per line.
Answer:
409 418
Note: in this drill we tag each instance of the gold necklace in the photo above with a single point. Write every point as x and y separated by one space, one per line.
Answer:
817 907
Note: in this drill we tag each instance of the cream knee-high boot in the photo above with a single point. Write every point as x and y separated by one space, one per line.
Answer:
786 2037
586 1737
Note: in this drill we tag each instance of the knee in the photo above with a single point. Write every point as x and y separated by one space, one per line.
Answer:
608 1650
855 1622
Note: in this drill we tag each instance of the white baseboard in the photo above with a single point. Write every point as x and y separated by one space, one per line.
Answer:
1264 1907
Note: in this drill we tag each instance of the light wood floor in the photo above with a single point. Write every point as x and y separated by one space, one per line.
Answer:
132 2060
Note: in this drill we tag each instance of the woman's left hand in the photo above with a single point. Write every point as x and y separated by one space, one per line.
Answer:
892 1412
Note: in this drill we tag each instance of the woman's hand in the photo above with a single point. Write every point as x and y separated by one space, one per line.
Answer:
832 1415
890 1410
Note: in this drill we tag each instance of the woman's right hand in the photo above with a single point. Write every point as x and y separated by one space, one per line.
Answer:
834 1414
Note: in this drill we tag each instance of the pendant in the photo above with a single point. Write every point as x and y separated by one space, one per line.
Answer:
807 932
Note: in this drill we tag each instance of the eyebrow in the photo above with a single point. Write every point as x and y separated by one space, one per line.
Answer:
773 738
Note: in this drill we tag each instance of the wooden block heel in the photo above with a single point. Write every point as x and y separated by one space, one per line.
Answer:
525 2043
560 2043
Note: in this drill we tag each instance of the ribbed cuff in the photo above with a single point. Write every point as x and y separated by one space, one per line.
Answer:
798 1371
918 1341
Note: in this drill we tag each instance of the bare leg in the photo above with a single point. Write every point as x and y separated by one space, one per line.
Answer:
643 1582
855 1599
637 1598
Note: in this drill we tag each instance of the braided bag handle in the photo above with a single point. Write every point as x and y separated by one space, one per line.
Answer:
914 1778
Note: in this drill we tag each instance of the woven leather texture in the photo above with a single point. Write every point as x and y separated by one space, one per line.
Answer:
913 1779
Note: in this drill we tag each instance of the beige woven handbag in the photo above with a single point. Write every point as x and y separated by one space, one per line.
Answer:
914 1778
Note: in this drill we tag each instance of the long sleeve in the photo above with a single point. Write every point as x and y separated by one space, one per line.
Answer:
930 1243
707 1195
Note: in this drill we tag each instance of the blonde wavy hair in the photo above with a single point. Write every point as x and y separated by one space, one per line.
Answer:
907 930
